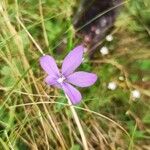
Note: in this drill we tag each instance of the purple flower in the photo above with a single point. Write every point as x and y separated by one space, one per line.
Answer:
66 77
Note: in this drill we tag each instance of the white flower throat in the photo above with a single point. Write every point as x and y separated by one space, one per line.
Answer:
61 79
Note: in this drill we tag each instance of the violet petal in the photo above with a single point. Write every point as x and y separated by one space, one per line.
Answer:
49 65
82 79
72 93
72 60
52 81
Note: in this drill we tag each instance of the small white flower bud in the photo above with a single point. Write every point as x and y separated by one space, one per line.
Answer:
104 50
109 38
135 94
112 86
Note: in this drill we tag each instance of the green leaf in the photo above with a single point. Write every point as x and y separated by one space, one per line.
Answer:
75 147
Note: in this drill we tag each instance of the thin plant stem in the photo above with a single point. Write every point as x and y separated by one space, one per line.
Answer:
10 145
30 36
43 24
80 108
76 118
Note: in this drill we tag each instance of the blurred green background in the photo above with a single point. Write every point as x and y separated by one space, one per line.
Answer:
35 116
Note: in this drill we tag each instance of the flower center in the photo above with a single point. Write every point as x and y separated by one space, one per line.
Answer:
61 79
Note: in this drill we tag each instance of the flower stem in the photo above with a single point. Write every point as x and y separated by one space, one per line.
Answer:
76 118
